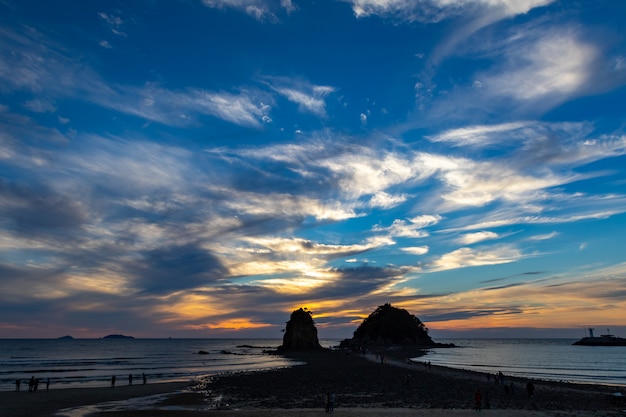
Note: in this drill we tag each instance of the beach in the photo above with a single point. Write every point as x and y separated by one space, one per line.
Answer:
364 385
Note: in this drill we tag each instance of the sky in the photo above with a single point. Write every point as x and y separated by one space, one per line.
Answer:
202 168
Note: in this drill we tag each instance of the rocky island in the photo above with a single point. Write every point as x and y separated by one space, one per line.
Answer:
300 332
389 326
117 336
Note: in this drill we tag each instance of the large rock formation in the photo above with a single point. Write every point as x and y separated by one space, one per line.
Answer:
388 326
300 332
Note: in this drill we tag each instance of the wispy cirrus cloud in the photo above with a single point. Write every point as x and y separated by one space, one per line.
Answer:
34 67
113 21
468 257
258 9
437 10
552 67
471 238
309 97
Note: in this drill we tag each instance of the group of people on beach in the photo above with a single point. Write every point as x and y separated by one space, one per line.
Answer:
509 390
33 384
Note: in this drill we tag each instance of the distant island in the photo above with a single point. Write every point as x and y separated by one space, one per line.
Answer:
67 337
117 336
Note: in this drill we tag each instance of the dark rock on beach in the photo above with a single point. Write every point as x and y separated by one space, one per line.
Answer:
300 332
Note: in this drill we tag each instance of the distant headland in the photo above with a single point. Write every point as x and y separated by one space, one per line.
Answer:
117 336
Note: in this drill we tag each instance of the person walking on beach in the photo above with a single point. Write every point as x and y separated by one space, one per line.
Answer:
327 402
48 384
331 402
144 378
478 401
130 379
530 388
113 381
17 384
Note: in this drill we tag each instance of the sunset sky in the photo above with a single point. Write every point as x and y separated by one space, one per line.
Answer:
201 168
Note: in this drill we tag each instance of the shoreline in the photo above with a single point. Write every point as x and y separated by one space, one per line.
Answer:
363 386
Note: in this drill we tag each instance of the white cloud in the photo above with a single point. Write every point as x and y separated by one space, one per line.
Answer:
467 257
386 201
481 134
470 183
472 238
368 171
555 66
437 10
547 236
309 97
416 250
401 228
425 220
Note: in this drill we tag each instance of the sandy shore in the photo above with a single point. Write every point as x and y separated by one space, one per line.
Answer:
363 386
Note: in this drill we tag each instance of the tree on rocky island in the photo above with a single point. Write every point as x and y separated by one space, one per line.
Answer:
300 332
389 325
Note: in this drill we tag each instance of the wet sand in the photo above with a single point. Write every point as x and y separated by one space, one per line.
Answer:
363 386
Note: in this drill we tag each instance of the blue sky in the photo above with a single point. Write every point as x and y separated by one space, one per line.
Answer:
201 168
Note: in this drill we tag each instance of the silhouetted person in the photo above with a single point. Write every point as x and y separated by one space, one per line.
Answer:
36 386
331 402
130 379
31 384
113 381
48 384
144 378
17 384
478 400
530 388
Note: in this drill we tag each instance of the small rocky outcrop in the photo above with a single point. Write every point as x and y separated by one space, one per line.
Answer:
300 332
117 336
391 326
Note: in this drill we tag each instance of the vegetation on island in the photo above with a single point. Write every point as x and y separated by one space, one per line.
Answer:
387 326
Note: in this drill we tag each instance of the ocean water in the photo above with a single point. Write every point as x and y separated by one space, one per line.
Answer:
92 362
543 359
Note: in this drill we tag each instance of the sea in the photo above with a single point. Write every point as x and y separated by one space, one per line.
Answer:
539 359
79 363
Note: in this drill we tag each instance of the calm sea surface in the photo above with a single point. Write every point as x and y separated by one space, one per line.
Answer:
92 362
548 359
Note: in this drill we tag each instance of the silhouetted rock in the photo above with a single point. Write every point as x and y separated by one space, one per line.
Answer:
300 332
203 352
391 326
